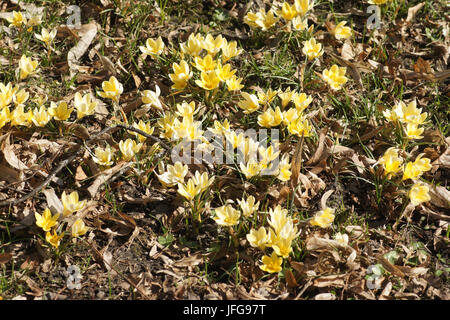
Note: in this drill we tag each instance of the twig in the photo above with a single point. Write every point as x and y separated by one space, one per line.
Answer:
130 128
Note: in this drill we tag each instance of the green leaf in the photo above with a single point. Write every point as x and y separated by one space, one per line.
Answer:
392 256
166 240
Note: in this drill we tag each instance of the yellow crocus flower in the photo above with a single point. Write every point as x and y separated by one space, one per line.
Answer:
323 218
129 148
267 97
41 117
391 161
188 191
270 118
415 169
152 47
300 127
79 228
224 72
174 174
412 114
267 155
205 64
104 157
284 169
46 37
335 76
413 131
4 117
60 111
166 123
248 206
251 169
53 238
282 247
290 115
250 19
17 19
193 46
257 238
146 127
299 24
266 20
250 103
303 6
27 66
112 89
151 98
287 12
419 193
301 101
278 218
341 31
208 80
20 97
235 139
312 49
286 96
71 203
234 83
21 118
181 75
230 50
46 221
202 181
378 2
85 105
227 216
341 238
220 128
271 264
213 45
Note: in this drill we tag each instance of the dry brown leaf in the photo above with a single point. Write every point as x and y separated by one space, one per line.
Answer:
413 11
323 200
297 162
191 260
440 196
9 174
390 267
290 279
105 176
354 231
87 32
107 260
335 281
53 202
325 296
413 272
444 160
386 292
36 291
347 53
315 243
422 66
298 266
10 156
5 257
321 151
310 186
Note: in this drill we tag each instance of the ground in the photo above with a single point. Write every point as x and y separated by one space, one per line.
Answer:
145 239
